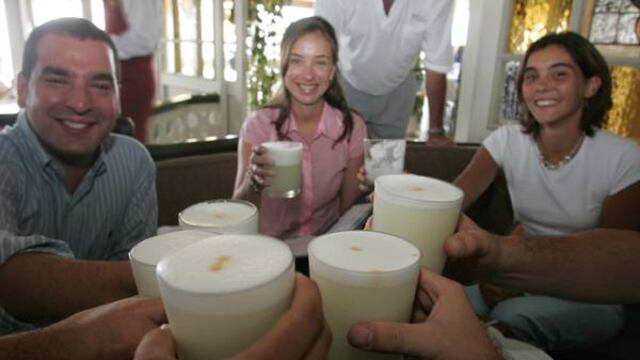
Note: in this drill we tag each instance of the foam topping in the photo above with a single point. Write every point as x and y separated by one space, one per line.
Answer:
284 153
151 250
364 251
218 213
408 187
225 264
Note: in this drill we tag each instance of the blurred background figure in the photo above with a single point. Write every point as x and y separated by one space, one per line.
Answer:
135 27
380 43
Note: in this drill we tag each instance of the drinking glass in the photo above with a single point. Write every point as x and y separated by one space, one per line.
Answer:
287 158
224 293
363 276
421 210
221 216
383 157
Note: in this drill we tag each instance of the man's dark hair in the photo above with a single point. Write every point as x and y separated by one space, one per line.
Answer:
78 28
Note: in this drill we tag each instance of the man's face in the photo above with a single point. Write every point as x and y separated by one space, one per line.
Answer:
71 97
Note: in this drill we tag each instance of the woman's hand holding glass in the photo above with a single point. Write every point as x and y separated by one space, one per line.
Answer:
259 170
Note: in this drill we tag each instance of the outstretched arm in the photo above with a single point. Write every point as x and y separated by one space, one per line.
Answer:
596 266
477 176
110 331
39 287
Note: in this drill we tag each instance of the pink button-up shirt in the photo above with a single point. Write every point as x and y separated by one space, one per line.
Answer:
323 168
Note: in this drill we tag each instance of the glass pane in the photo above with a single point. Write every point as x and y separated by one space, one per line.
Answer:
533 19
615 22
208 71
188 59
229 32
45 10
170 57
509 108
624 117
97 13
207 20
169 63
603 28
6 66
607 6
168 20
627 29
187 17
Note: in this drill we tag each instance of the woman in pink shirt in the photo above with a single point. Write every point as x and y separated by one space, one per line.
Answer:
311 109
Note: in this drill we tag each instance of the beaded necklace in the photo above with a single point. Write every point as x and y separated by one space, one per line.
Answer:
564 160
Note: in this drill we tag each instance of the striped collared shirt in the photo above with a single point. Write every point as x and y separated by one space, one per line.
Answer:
113 207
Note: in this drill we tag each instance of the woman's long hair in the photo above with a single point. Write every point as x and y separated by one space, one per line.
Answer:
333 96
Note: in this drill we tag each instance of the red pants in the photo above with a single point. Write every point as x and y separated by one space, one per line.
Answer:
137 91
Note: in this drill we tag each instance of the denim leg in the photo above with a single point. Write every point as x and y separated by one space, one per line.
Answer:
557 325
477 302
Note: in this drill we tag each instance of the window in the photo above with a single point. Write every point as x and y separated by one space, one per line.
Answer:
6 64
189 38
610 24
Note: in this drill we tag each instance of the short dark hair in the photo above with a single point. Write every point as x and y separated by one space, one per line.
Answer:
590 62
78 28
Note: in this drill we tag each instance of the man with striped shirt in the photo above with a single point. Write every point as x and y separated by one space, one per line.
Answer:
74 198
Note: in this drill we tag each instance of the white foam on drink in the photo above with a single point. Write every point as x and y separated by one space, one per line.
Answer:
284 153
218 213
227 274
151 250
417 191
364 258
147 253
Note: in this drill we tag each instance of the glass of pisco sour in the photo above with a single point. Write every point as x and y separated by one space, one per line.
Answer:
221 217
421 210
223 293
363 276
287 168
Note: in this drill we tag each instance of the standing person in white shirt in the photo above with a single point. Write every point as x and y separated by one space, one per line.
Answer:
379 44
135 28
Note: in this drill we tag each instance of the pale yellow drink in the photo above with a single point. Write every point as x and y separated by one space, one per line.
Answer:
221 217
223 293
287 159
146 254
285 179
363 276
421 210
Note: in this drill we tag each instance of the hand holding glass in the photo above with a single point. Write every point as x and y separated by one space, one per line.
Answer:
363 276
287 168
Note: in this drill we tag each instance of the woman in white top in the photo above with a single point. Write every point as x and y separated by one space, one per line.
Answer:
564 174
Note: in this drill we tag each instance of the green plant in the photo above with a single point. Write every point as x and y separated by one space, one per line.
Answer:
262 72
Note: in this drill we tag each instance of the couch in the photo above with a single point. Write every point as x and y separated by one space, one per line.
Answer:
190 173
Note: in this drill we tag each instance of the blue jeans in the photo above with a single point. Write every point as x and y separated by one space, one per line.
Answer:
552 324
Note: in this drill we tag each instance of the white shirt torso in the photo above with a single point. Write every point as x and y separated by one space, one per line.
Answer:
569 199
378 50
